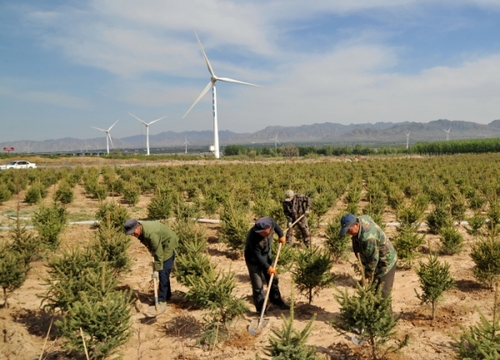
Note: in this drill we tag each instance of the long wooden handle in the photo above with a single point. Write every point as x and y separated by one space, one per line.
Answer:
275 263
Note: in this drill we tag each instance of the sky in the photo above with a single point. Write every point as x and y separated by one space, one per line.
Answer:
68 65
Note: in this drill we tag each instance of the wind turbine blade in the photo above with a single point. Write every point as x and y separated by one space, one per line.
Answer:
142 121
209 67
98 128
111 140
152 122
205 90
237 81
113 125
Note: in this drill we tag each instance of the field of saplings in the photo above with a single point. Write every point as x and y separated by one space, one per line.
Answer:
75 287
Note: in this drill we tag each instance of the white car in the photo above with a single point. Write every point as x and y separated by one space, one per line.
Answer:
18 164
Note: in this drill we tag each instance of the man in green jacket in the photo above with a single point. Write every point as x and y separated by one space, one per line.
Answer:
161 243
374 248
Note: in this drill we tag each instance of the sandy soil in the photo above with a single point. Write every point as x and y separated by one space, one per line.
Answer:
174 334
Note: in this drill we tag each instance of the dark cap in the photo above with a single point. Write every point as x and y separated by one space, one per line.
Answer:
130 226
262 224
346 222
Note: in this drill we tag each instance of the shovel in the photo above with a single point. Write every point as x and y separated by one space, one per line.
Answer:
257 325
154 311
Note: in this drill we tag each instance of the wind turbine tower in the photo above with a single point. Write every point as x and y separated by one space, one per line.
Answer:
108 136
276 141
211 84
407 140
186 145
447 134
147 129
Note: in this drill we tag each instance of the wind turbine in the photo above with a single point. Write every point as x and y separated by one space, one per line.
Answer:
147 129
186 144
28 148
407 140
447 134
276 141
108 136
211 84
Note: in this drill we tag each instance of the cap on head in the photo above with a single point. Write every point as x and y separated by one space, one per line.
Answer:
262 224
289 194
346 222
130 226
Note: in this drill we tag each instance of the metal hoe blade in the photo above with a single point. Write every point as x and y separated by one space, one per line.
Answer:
256 326
153 311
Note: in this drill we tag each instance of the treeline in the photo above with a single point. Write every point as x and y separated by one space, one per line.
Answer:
471 146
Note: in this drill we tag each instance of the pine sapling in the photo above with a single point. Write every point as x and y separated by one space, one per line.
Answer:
486 256
336 244
234 226
50 221
289 343
482 340
368 314
407 243
12 272
435 279
311 272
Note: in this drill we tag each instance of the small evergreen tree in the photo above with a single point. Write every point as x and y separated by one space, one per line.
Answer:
112 213
452 242
105 322
289 343
23 242
336 244
160 206
480 341
193 263
64 193
438 219
5 193
311 272
12 271
435 279
234 226
369 314
73 272
110 246
407 243
214 292
50 221
486 256
476 222
131 193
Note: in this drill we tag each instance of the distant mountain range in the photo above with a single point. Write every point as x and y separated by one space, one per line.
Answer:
381 133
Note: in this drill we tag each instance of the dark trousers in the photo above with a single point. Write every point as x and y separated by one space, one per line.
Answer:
387 281
164 290
304 228
257 278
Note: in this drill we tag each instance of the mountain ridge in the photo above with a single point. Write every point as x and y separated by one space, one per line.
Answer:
321 133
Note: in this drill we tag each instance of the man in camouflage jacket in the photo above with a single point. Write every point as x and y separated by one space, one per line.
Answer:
374 248
294 206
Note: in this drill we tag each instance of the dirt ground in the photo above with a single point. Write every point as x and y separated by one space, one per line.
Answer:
173 335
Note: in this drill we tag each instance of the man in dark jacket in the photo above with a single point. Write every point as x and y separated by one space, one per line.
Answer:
161 243
258 259
294 206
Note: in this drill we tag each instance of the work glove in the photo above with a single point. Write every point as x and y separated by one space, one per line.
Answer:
272 270
282 240
290 224
155 275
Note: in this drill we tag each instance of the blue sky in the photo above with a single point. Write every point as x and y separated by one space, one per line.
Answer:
68 65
